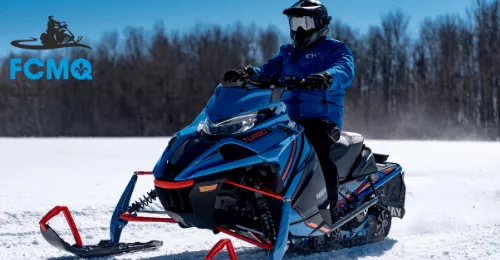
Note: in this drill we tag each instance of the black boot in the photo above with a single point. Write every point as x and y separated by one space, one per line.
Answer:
335 212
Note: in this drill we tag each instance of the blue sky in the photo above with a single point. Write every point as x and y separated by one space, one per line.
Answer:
22 19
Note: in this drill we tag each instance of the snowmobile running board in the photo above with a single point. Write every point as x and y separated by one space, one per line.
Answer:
356 212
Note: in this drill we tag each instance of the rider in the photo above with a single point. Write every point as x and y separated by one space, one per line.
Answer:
328 68
53 27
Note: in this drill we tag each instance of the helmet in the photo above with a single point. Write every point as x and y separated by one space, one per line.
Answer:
308 21
51 17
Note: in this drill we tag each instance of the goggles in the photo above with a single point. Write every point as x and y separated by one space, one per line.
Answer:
306 22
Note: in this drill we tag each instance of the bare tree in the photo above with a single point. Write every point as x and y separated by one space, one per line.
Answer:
442 83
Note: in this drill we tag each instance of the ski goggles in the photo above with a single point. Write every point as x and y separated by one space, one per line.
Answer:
306 22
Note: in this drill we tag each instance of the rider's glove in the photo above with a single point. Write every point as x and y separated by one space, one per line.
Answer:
238 73
321 80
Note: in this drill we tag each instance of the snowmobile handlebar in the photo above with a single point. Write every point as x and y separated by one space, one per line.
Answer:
290 83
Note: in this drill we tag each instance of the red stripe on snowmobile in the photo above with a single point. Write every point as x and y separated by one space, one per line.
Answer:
388 169
290 160
366 184
310 224
174 184
314 225
270 194
126 216
71 222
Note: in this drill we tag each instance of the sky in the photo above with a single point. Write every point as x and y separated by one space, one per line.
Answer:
22 19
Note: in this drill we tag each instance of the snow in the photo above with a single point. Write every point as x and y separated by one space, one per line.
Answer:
453 200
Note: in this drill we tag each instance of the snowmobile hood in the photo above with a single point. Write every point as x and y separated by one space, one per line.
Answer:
228 102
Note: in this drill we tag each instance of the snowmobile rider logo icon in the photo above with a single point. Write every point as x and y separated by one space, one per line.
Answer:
56 36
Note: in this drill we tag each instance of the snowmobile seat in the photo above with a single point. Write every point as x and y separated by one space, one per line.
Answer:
345 152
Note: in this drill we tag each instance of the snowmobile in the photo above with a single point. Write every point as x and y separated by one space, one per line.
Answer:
245 169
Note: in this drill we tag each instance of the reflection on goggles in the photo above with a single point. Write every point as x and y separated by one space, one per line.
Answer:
306 22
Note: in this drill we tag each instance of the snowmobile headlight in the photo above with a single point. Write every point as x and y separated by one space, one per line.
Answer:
234 125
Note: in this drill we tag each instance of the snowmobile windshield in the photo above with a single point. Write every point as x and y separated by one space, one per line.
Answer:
233 110
229 102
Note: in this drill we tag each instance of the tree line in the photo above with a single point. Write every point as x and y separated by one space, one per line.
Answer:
443 83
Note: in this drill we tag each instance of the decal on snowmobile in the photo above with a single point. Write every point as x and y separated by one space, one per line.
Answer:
321 193
255 136
396 212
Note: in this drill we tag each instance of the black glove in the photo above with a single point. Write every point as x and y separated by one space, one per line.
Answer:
321 80
238 73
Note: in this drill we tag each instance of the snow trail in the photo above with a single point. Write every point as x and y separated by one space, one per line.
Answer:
453 200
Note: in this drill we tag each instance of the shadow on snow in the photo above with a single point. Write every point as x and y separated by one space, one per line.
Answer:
373 250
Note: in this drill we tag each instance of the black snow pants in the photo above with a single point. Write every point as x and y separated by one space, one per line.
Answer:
323 135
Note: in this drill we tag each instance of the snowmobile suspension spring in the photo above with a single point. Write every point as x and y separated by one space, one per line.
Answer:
143 202
265 218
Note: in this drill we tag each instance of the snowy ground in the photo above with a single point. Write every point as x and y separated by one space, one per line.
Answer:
453 200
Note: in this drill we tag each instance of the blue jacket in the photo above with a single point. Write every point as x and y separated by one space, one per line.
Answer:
327 55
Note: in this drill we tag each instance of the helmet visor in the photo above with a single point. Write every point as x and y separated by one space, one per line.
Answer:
306 22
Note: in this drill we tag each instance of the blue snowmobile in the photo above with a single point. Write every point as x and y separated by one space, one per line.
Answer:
244 168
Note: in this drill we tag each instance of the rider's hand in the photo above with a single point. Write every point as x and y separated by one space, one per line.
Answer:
321 80
238 73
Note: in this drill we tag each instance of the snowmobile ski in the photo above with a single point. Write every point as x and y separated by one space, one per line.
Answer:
102 249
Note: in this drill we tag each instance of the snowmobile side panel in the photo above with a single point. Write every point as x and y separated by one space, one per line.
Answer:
220 168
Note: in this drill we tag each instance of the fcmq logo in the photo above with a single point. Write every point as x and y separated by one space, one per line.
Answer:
80 69
56 36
